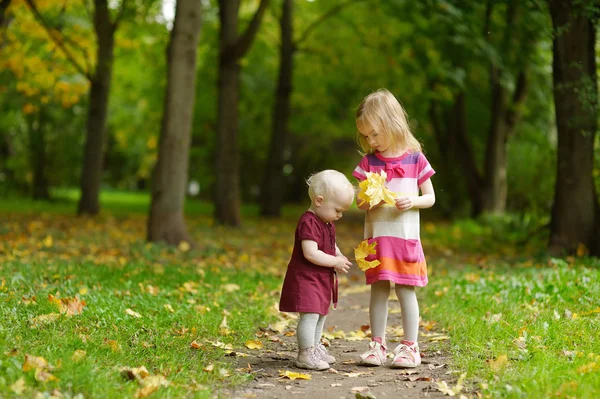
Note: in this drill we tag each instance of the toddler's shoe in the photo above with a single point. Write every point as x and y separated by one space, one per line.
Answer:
322 353
309 359
376 354
406 355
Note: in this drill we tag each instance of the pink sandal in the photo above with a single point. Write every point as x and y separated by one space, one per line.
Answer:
406 355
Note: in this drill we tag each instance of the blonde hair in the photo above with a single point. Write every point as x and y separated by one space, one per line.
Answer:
383 112
327 183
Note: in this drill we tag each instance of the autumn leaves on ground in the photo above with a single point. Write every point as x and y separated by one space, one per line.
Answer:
89 309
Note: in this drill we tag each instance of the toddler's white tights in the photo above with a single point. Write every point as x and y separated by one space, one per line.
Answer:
310 329
378 309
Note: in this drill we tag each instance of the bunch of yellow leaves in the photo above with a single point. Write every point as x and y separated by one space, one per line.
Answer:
373 189
363 250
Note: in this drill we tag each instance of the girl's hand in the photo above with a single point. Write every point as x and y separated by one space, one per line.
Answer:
404 203
342 264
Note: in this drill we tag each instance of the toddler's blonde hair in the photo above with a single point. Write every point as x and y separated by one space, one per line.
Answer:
382 111
327 183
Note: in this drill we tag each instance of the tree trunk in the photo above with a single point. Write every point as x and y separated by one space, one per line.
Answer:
272 185
228 198
166 220
231 49
3 7
575 212
91 173
37 154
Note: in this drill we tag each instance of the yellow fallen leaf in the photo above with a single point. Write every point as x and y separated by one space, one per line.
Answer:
78 355
133 313
184 246
209 368
500 363
42 320
373 190
363 250
34 362
254 344
169 308
231 287
294 376
19 386
223 327
445 389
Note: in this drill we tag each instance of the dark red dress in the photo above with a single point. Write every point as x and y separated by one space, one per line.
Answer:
309 288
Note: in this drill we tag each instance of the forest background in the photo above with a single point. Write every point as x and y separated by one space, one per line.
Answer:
86 96
194 124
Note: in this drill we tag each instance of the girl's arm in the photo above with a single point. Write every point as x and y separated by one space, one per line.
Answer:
425 200
313 254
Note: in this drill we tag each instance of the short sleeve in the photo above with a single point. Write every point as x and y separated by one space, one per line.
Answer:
361 169
308 230
424 169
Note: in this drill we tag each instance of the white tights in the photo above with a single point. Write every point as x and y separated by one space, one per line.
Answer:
378 309
310 329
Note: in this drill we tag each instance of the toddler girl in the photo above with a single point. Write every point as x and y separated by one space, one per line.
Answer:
384 134
311 279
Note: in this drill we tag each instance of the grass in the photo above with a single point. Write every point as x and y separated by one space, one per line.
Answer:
174 312
520 324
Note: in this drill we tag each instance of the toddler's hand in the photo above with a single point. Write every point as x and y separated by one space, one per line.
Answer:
342 264
404 203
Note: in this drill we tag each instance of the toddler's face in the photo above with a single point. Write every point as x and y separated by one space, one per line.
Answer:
331 209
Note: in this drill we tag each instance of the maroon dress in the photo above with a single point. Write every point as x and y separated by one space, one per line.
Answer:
309 288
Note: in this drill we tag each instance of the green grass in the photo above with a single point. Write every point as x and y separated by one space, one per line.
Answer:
182 297
521 329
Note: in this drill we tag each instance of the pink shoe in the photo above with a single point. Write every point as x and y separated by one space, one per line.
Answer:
406 355
376 354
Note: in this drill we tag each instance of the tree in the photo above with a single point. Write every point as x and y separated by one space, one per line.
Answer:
231 49
272 184
271 193
575 212
99 77
495 43
166 220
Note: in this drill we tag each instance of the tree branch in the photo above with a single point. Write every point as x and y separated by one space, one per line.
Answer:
245 40
332 11
56 39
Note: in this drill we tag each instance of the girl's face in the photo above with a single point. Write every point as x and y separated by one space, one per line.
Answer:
331 209
376 140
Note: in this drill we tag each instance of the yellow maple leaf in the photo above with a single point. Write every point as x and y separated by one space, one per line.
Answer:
254 344
363 250
373 190
294 376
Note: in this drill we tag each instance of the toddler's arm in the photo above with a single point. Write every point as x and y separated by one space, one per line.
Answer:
314 255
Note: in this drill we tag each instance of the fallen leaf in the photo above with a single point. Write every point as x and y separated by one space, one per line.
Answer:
78 355
254 344
294 376
133 313
18 386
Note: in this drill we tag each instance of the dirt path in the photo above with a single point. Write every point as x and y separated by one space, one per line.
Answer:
346 378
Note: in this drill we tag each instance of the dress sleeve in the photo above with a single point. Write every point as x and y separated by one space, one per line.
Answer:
424 169
308 230
361 169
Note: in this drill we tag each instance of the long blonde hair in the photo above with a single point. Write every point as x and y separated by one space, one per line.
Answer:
383 112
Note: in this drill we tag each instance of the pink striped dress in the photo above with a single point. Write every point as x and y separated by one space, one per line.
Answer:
397 233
